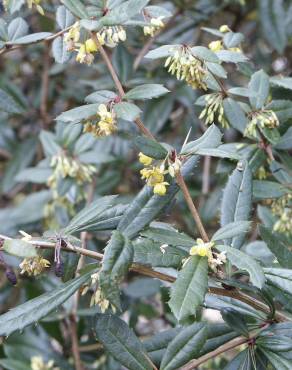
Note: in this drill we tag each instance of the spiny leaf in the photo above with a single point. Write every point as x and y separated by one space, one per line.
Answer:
188 291
121 342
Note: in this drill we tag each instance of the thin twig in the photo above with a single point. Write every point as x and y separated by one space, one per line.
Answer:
12 46
118 84
148 271
75 343
45 87
181 183
206 175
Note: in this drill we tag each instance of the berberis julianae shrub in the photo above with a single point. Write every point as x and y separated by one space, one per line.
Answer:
146 185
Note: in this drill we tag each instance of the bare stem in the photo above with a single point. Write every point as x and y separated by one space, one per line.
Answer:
75 343
181 183
119 86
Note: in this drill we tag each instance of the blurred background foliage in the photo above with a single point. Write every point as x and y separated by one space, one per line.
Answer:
35 89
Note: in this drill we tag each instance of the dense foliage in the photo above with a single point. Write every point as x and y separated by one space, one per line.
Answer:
146 181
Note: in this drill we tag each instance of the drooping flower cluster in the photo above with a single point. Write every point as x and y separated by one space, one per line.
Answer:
282 208
261 173
97 297
185 66
203 249
72 37
155 174
65 166
155 25
106 124
33 266
38 363
214 110
109 36
261 119
112 35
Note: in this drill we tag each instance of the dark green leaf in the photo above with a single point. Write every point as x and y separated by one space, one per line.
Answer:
150 147
147 91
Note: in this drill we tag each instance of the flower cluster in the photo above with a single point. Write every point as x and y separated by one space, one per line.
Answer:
261 119
154 25
97 297
111 36
86 52
203 249
33 266
218 45
64 166
282 208
214 109
37 363
72 37
185 66
36 3
106 125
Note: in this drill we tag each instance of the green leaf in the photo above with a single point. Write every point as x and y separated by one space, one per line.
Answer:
161 52
49 143
279 362
150 147
117 259
90 214
244 262
8 103
184 347
123 12
78 114
272 17
231 230
259 87
101 97
76 7
235 115
210 139
274 343
154 254
17 28
232 39
281 278
146 206
10 364
277 247
31 38
121 342
169 236
235 320
236 202
189 289
205 54
35 309
220 152
271 134
282 108
36 175
64 18
19 248
285 82
228 56
147 91
285 142
127 111
268 189
60 52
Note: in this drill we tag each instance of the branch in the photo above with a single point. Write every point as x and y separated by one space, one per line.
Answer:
75 343
181 183
118 84
11 47
148 271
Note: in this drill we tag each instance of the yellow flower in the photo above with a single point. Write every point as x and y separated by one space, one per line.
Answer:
30 3
84 56
215 45
37 363
91 46
72 36
155 25
112 35
201 248
224 28
160 188
34 265
144 159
